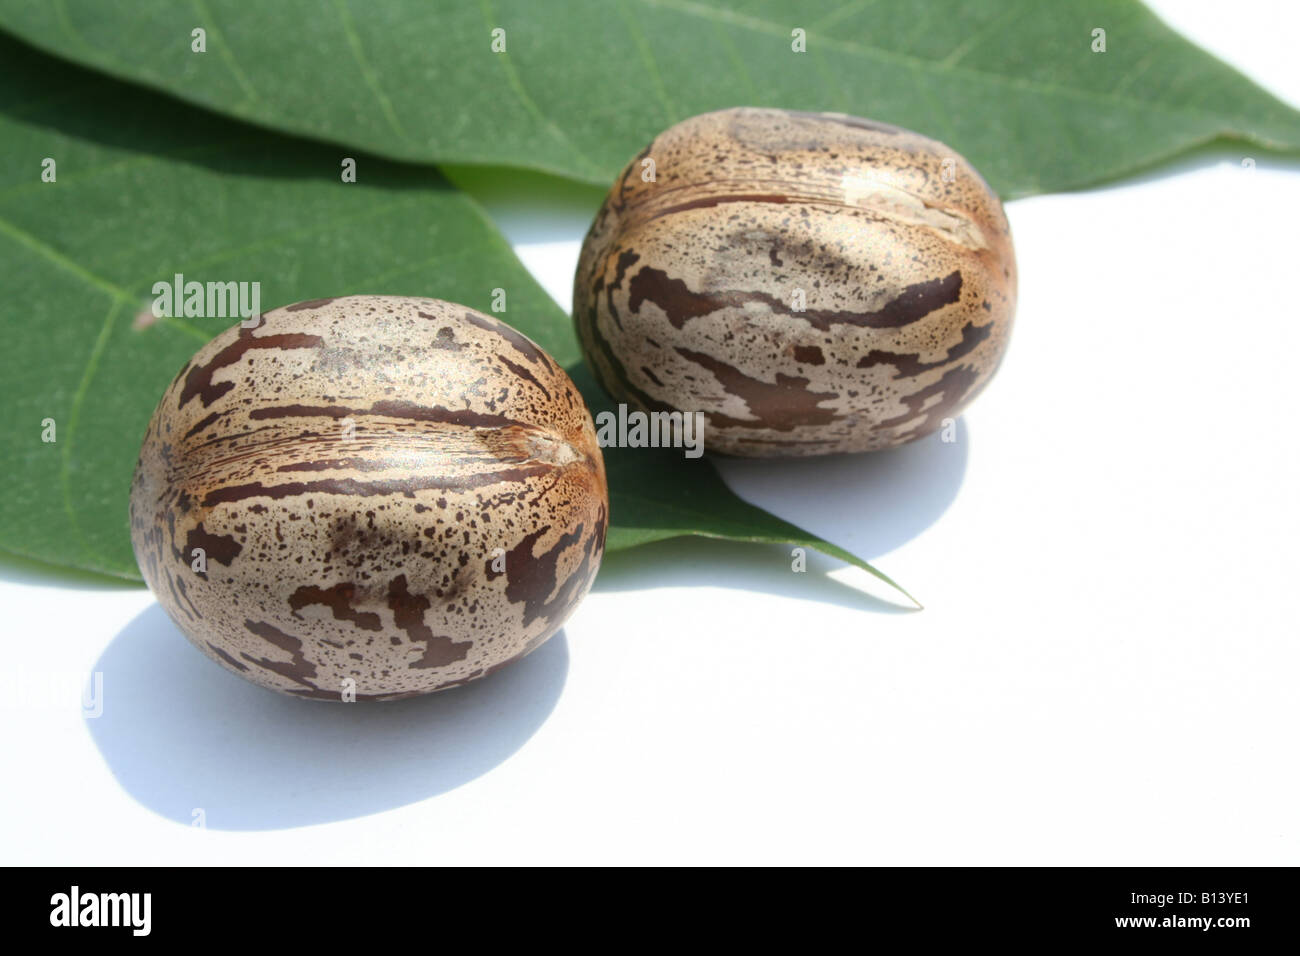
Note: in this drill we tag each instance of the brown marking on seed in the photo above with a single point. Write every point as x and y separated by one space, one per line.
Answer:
446 339
339 599
204 423
681 304
198 381
953 388
389 408
524 374
519 343
178 591
530 578
230 661
598 536
177 553
626 259
528 648
782 406
297 669
276 412
220 547
618 195
809 355
356 463
408 613
917 301
624 382
709 202
910 364
309 304
677 300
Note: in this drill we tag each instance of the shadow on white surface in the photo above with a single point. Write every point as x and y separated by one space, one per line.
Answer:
180 733
870 503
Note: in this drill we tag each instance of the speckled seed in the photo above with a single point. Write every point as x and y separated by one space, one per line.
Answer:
402 492
811 282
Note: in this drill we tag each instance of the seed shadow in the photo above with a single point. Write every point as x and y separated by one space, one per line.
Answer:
180 733
123 116
869 504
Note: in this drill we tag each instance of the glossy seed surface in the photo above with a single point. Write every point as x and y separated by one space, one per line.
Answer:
377 495
812 282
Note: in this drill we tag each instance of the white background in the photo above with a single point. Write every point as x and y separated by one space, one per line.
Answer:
1106 671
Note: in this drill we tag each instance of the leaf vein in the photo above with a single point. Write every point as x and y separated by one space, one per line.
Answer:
526 101
226 54
70 432
367 71
642 44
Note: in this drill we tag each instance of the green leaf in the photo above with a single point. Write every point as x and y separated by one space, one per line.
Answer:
146 188
584 84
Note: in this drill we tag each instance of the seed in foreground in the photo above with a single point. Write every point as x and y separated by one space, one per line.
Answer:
369 496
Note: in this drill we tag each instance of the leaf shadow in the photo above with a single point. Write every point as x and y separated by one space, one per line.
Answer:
121 116
181 733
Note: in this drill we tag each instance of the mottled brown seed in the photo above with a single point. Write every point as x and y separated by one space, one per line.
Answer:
812 282
393 496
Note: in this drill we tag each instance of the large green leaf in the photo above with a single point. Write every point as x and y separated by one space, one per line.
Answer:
584 84
146 188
